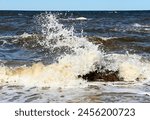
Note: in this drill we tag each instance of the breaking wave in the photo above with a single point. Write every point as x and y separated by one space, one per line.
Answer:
142 26
82 58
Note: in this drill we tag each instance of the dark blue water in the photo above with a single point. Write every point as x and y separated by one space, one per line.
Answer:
129 29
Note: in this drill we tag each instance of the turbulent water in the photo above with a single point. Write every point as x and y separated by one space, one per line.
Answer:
44 56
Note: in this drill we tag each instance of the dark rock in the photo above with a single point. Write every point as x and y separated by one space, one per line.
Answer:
101 76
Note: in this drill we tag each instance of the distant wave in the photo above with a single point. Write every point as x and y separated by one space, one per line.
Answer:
76 19
121 39
122 44
140 25
81 18
24 35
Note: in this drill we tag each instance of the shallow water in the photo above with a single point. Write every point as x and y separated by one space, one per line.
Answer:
93 92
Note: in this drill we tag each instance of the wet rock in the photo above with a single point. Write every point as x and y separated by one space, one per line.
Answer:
101 76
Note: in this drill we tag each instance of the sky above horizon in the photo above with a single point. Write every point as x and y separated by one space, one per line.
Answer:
74 4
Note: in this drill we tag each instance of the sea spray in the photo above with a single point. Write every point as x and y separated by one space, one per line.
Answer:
84 57
34 66
130 67
81 58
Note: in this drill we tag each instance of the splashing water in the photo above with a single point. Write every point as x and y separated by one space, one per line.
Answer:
130 67
82 60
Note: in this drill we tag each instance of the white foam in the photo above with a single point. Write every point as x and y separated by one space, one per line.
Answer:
25 35
81 18
139 25
107 38
130 67
129 71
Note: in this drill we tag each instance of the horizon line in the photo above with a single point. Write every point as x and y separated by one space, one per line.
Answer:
77 10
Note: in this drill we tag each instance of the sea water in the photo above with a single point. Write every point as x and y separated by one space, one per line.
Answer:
42 55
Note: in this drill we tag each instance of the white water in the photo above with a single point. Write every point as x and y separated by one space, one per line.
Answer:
65 71
84 57
81 18
139 25
130 67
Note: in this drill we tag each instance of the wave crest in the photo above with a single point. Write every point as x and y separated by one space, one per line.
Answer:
83 58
